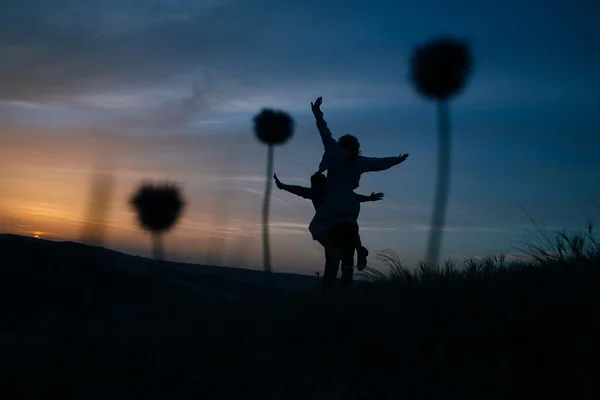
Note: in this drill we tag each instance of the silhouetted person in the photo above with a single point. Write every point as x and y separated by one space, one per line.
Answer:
345 166
316 193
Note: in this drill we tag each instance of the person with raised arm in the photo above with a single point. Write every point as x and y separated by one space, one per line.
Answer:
344 165
316 193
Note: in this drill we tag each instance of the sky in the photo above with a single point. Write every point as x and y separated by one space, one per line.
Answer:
166 90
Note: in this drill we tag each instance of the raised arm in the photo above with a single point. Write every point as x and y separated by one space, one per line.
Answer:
373 164
297 190
329 142
373 197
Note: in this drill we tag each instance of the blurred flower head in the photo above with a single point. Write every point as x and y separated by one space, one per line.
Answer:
273 127
158 206
440 68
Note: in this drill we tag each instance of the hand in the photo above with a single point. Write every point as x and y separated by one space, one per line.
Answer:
376 196
277 181
316 106
402 157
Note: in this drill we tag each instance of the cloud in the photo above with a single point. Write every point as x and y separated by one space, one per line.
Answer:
126 47
121 49
188 57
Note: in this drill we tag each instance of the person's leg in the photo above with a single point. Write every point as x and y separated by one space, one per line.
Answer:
361 251
358 241
333 255
348 246
320 228
325 241
336 207
361 254
332 263
329 276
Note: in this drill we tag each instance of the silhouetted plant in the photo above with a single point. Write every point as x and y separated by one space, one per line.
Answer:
158 209
439 71
271 128
564 248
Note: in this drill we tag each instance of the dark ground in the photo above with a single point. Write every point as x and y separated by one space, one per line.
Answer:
90 323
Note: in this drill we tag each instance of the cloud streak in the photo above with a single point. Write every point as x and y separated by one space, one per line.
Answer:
229 53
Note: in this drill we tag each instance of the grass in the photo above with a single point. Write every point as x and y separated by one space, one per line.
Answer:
487 329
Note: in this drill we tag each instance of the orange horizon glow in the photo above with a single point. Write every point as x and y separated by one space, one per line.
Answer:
51 190
55 204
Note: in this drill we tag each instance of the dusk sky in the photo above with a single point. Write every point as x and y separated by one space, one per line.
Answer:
168 89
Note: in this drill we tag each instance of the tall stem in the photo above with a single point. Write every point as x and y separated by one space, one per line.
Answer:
442 185
157 246
265 213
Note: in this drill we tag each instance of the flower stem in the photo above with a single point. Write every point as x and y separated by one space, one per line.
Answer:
265 213
442 185
157 246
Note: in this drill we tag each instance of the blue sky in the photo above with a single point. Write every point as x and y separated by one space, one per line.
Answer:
167 89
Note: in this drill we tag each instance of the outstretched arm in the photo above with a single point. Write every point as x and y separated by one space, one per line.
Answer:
373 197
328 140
373 164
297 190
